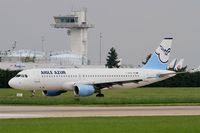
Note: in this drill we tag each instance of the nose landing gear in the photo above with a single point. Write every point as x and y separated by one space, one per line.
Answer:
32 93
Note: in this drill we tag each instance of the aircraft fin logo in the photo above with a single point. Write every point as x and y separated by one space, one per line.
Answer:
163 53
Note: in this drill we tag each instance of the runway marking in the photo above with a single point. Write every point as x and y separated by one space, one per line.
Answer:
84 111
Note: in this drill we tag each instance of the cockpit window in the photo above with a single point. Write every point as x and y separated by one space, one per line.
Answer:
22 75
18 75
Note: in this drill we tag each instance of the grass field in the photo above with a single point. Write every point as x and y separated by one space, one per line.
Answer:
158 124
138 96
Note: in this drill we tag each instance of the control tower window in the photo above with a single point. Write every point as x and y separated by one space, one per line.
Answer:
72 20
68 19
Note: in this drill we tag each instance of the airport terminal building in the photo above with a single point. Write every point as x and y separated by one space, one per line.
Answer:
76 25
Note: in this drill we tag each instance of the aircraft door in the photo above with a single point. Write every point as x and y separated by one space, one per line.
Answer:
37 81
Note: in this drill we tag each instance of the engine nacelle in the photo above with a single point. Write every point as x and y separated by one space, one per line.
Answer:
53 92
84 90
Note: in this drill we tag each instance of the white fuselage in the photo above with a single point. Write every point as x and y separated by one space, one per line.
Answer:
66 79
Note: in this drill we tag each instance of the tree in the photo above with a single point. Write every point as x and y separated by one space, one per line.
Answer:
112 59
28 59
5 76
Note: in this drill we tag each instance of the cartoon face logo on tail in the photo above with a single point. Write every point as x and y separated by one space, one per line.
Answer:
163 53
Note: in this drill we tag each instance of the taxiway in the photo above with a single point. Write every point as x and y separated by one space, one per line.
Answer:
85 111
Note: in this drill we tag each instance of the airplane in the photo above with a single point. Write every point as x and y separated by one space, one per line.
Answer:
19 66
172 64
87 81
175 66
195 70
179 65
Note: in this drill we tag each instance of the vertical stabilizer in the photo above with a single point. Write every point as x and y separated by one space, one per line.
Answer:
160 57
172 64
179 65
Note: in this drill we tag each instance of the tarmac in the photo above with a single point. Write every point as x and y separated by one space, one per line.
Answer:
7 112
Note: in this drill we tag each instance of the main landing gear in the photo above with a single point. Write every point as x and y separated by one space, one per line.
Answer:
99 94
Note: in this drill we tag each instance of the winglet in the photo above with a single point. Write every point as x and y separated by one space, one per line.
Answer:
160 57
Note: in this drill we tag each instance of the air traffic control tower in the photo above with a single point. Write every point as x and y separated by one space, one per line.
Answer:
77 26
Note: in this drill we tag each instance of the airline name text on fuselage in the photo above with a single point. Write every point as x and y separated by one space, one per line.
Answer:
53 72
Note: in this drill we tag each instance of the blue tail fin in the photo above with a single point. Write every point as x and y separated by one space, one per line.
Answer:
160 57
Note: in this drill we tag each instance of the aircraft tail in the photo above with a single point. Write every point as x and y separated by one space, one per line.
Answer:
179 65
160 57
172 64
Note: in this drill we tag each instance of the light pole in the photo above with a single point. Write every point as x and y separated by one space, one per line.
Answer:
42 40
100 37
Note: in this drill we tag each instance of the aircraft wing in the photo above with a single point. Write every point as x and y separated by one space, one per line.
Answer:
110 84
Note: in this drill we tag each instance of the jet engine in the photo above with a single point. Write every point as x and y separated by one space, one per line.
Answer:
84 90
53 92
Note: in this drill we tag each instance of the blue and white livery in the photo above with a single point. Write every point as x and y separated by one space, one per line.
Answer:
87 81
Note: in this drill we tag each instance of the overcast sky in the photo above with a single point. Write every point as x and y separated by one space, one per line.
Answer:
134 27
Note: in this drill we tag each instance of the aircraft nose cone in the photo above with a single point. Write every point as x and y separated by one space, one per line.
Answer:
11 83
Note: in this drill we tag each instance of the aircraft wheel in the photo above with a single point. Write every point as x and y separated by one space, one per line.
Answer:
32 93
100 95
